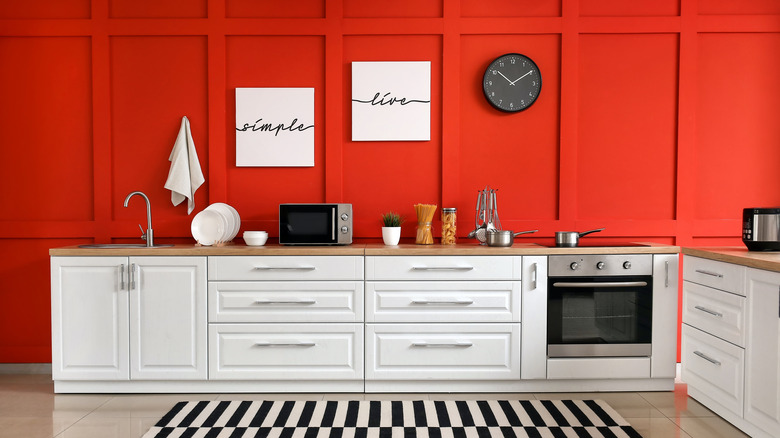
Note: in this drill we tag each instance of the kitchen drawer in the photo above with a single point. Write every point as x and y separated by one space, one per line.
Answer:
714 367
286 268
443 301
285 351
716 312
720 275
287 301
443 267
442 351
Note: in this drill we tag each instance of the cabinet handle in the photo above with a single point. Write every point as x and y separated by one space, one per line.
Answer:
458 344
710 273
666 271
132 276
465 301
707 358
301 301
284 268
711 312
285 344
442 268
122 276
533 276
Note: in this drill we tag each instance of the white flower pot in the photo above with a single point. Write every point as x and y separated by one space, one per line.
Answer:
391 235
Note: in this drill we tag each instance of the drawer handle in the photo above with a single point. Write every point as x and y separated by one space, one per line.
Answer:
711 312
284 268
285 344
463 301
707 358
442 268
301 301
710 273
458 344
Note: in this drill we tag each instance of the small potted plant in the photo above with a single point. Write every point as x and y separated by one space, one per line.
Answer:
391 228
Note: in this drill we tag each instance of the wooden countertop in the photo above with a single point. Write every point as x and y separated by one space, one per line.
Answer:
370 249
766 260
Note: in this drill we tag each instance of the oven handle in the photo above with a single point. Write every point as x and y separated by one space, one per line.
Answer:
601 284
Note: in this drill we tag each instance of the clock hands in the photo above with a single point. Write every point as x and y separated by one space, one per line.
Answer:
507 79
521 77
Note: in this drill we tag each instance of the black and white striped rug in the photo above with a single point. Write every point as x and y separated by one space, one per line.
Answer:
366 419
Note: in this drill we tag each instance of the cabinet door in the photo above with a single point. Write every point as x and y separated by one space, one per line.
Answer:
762 380
168 338
665 298
534 321
89 318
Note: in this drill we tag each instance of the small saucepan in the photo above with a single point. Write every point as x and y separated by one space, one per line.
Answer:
570 239
503 237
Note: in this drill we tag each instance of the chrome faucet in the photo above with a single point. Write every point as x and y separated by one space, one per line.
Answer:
148 236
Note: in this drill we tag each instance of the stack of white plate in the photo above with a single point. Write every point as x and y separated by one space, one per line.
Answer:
218 223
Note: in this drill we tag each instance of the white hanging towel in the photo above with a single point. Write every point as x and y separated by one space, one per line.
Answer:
185 175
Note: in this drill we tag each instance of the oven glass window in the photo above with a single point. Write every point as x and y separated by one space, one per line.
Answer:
599 315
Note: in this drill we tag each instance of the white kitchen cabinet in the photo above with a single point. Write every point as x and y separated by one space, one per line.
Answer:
442 318
119 318
731 342
533 346
762 363
90 318
442 351
168 318
666 288
286 319
265 352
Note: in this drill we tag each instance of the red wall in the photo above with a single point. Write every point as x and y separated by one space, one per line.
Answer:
657 120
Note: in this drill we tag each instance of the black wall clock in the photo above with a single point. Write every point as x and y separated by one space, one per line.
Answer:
512 82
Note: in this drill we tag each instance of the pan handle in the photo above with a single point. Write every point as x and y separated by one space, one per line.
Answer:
591 231
525 232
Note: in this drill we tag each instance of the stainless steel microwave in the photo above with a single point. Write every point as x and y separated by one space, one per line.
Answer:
315 224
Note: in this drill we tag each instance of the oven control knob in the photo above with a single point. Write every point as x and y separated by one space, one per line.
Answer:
344 216
574 266
626 265
600 265
344 230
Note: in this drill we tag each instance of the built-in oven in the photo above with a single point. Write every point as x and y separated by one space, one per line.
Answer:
600 305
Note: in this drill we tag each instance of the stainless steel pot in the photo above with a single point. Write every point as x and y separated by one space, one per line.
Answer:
504 237
570 239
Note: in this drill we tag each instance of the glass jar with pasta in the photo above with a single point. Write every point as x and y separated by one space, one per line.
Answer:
449 218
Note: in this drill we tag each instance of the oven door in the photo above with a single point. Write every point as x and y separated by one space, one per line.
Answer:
308 224
599 316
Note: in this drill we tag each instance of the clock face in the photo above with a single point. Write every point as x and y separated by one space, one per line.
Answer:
512 82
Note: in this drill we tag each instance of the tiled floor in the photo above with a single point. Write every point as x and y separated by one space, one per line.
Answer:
29 409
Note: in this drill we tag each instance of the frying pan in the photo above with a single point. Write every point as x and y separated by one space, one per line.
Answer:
570 239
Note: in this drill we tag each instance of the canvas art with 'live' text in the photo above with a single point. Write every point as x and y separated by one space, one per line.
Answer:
391 101
275 127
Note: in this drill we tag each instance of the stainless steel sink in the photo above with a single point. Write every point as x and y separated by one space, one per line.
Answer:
122 245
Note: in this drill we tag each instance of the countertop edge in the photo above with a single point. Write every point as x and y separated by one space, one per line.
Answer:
766 260
518 249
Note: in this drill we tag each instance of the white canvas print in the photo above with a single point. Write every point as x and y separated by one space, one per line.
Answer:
391 101
275 127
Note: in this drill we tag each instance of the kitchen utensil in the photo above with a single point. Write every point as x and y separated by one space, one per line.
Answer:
504 237
570 239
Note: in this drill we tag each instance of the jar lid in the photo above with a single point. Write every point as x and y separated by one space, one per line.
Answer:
449 210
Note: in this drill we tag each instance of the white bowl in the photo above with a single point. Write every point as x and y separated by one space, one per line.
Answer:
255 233
258 240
